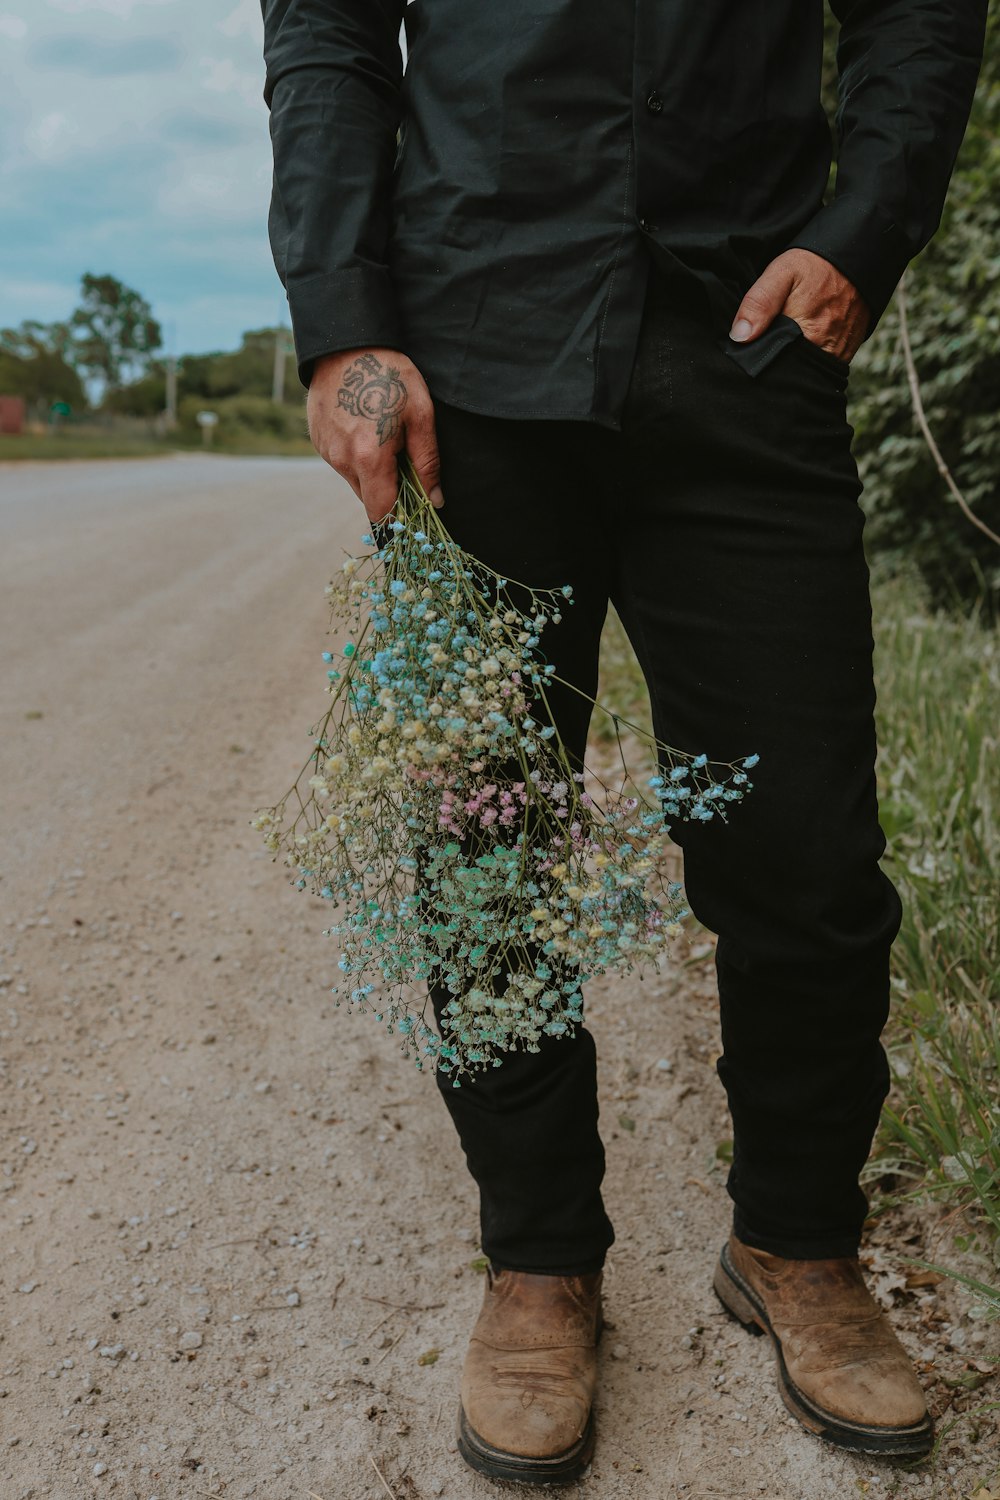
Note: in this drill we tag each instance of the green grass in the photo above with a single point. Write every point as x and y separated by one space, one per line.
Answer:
248 443
939 776
938 679
621 685
77 443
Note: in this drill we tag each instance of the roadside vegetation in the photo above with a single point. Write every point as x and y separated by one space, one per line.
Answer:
938 678
79 442
939 722
99 386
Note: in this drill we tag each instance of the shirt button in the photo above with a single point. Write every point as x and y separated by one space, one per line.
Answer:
654 103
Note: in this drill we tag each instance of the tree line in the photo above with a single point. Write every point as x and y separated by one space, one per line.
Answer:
111 346
107 357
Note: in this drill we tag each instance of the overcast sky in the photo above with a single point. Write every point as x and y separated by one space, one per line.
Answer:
135 142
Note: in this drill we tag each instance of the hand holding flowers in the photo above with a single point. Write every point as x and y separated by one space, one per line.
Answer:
444 819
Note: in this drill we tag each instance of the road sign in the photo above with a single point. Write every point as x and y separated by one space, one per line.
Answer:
207 421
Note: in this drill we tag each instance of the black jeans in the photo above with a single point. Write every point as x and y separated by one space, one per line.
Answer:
723 522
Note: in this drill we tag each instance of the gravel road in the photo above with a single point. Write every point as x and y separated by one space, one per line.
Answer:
239 1241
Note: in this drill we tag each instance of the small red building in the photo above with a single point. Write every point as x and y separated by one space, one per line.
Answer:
13 414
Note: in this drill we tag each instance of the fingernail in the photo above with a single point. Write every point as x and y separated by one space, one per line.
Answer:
436 497
741 330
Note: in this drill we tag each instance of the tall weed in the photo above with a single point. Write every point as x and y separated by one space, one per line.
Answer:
939 789
938 677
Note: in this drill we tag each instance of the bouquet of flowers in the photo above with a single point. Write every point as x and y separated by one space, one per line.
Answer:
443 818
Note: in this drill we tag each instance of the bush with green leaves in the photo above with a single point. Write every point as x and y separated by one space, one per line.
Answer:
939 797
243 417
952 294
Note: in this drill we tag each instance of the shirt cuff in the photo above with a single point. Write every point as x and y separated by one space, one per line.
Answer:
864 243
352 309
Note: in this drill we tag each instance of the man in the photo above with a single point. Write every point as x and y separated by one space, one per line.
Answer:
578 264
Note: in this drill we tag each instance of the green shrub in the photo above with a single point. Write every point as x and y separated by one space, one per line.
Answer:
953 302
243 419
938 677
939 796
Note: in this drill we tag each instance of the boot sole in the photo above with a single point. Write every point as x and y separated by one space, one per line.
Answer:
562 1468
741 1301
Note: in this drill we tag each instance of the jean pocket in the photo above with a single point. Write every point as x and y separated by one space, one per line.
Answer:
824 356
758 354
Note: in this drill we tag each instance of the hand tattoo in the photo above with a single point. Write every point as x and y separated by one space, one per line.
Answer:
371 391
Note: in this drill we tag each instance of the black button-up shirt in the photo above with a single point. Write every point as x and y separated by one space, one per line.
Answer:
492 213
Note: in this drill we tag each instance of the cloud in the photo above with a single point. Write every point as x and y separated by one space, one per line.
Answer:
200 128
50 300
243 19
222 75
158 172
106 57
52 135
122 10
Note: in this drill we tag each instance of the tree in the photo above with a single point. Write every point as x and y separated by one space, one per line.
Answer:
33 338
141 398
33 364
247 371
114 334
953 301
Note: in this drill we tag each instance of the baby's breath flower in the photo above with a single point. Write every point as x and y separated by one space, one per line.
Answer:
439 815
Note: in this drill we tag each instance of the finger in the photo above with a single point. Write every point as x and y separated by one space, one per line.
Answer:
762 302
352 479
379 488
349 475
421 445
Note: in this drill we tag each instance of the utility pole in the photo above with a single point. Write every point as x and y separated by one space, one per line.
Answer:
280 353
170 414
170 405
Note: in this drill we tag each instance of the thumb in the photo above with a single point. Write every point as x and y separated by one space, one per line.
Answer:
422 448
761 302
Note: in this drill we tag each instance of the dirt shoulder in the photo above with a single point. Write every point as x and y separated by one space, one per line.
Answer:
239 1234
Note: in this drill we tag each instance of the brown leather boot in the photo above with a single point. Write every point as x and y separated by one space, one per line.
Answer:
530 1376
841 1369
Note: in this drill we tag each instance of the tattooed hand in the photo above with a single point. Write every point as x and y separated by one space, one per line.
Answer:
365 407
